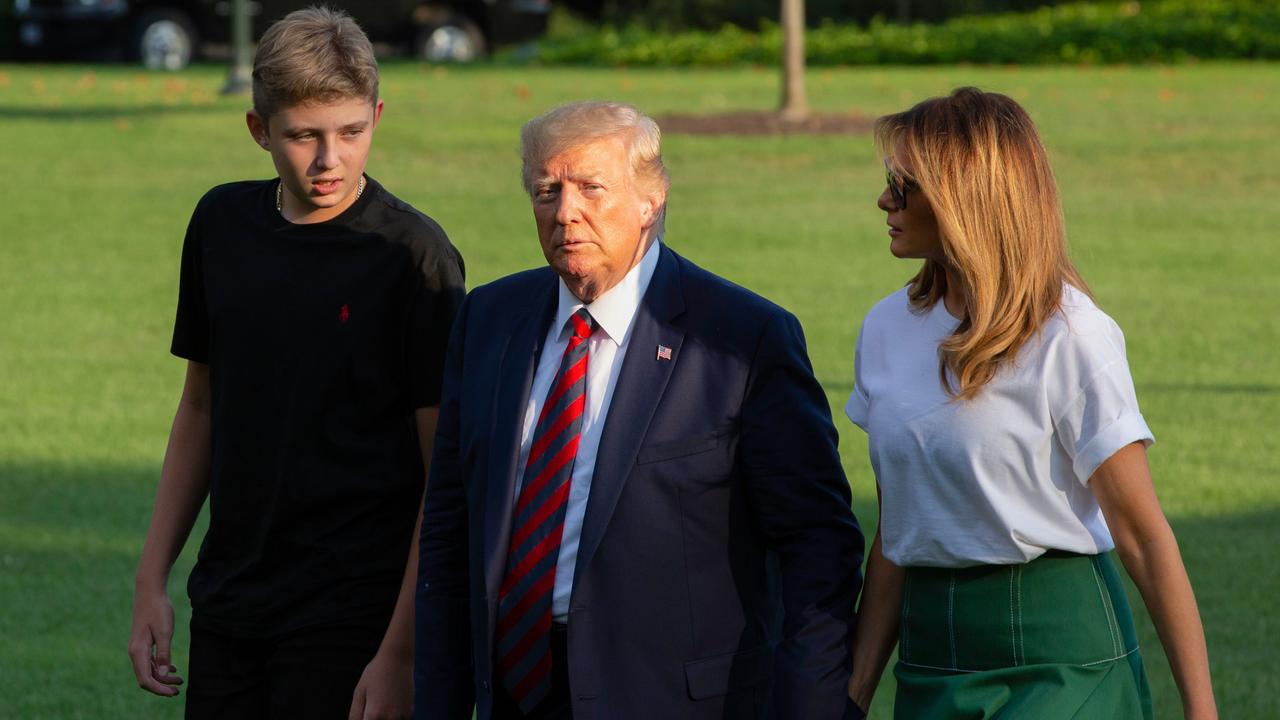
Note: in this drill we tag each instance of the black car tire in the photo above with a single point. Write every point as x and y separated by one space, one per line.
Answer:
449 37
163 39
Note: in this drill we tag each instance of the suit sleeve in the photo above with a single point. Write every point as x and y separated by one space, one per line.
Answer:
442 669
801 502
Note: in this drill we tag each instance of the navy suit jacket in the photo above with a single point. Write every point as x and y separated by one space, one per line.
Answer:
719 558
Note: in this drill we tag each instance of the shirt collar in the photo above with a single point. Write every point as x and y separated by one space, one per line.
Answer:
615 310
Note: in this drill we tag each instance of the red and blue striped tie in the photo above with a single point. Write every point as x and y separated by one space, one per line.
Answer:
524 602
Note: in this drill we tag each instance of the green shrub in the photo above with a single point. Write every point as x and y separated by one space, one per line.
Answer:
680 15
1077 33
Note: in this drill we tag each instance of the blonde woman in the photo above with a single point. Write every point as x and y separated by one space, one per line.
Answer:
1009 451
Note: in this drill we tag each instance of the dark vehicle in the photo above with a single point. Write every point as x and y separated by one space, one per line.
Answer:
169 33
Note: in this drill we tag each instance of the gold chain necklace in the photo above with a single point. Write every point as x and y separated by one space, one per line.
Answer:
280 193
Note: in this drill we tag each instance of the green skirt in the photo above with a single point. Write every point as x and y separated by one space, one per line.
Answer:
1049 639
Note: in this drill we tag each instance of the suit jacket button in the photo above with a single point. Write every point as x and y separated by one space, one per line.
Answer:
485 684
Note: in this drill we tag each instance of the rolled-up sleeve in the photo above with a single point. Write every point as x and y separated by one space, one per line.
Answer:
856 407
1100 414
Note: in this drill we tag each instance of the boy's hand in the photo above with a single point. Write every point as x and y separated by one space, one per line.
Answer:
149 643
385 690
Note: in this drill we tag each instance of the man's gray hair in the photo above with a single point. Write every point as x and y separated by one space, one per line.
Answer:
576 124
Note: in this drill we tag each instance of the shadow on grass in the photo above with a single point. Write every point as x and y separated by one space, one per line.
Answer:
77 498
70 536
67 113
1210 388
1231 562
845 387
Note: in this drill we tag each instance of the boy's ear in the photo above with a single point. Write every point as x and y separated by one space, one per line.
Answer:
377 112
258 129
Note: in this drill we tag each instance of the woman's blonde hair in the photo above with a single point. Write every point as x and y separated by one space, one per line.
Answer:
313 55
978 160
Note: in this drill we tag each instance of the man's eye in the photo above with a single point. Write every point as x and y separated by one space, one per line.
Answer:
353 133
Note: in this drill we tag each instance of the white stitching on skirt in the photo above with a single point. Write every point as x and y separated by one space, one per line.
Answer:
1022 633
1013 633
935 667
906 627
1107 660
963 670
951 623
1112 624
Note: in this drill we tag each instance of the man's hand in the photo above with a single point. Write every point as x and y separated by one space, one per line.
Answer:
149 643
385 690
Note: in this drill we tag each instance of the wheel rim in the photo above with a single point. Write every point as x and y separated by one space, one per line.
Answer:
449 43
165 46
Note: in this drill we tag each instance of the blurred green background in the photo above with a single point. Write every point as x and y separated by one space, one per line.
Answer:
1169 185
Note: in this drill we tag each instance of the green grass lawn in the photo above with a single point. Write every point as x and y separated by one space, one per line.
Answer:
1170 187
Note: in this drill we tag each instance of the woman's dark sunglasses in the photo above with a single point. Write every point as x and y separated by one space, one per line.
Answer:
898 186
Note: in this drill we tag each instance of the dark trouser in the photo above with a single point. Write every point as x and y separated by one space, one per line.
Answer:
310 674
557 704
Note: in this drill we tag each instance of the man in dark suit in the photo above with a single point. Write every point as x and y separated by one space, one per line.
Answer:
636 508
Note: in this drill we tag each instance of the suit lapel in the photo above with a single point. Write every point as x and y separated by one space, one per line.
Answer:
635 398
514 378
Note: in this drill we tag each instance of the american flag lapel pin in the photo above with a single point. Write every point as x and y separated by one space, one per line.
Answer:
664 352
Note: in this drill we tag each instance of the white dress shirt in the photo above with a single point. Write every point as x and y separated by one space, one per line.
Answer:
614 313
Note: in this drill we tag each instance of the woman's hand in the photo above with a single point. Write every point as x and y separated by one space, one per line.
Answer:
876 631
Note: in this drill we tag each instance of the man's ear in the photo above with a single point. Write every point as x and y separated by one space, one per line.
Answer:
377 112
258 129
651 207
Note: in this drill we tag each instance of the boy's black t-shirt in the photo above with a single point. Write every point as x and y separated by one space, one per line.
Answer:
321 341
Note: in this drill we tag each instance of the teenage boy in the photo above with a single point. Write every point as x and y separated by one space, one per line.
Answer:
313 313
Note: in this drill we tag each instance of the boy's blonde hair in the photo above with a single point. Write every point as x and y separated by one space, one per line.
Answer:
313 55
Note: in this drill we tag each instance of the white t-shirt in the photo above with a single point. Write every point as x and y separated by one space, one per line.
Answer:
1000 478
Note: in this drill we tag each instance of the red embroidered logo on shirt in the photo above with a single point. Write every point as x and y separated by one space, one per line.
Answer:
344 314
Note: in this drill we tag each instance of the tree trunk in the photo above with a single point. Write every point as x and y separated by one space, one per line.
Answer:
794 105
239 74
